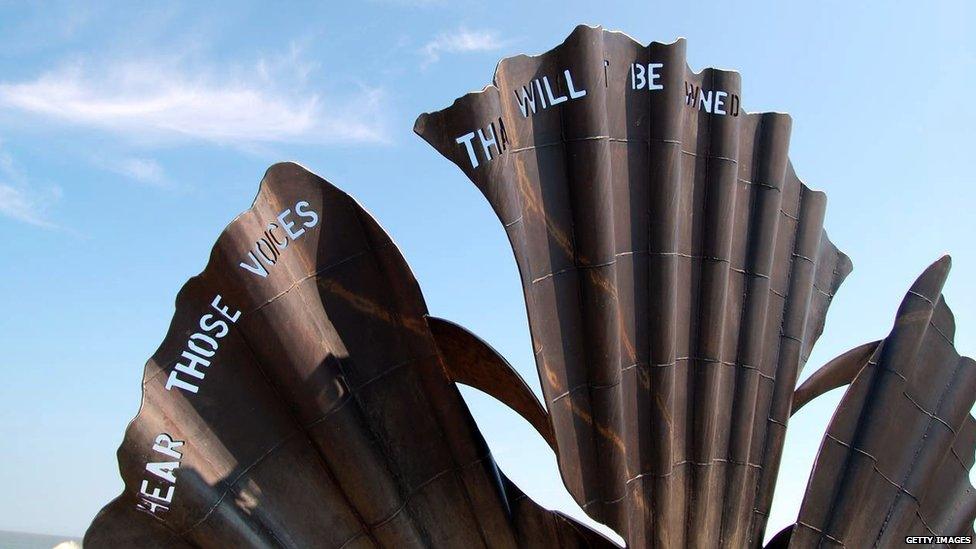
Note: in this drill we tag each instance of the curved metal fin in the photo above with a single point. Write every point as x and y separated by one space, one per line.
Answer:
896 457
471 361
838 372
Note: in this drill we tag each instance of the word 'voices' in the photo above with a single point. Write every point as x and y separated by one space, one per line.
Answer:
270 245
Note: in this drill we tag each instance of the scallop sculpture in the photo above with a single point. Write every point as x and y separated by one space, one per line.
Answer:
302 399
676 275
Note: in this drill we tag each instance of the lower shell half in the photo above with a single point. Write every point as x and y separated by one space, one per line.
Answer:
299 399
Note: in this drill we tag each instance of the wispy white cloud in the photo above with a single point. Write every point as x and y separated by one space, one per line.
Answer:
20 205
19 200
264 103
144 170
461 40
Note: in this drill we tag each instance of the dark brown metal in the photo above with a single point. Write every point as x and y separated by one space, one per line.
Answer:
782 539
473 362
675 270
896 457
676 275
300 399
838 372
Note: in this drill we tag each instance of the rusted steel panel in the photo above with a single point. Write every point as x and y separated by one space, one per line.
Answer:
838 372
896 457
675 270
471 361
299 399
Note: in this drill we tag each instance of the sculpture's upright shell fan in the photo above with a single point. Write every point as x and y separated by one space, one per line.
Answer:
301 400
896 457
676 275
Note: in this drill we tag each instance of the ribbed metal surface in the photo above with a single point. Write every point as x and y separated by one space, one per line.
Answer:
302 401
675 270
896 457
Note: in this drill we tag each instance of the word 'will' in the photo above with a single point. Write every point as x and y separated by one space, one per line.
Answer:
528 98
201 347
270 245
152 500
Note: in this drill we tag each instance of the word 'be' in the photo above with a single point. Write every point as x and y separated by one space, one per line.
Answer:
641 77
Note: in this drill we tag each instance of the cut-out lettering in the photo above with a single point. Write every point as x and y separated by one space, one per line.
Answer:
539 94
269 246
718 102
646 76
156 492
492 141
201 347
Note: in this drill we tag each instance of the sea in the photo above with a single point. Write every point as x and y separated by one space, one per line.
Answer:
21 540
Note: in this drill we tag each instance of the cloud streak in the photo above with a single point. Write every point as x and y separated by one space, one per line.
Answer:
20 204
19 200
143 170
153 100
461 40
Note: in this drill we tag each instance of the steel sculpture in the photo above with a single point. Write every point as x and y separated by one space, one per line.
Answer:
676 275
675 270
300 399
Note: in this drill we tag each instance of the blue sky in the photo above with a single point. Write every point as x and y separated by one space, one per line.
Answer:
129 137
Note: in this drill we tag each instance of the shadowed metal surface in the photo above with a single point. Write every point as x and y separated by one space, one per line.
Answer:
675 270
299 399
838 372
896 457
473 362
